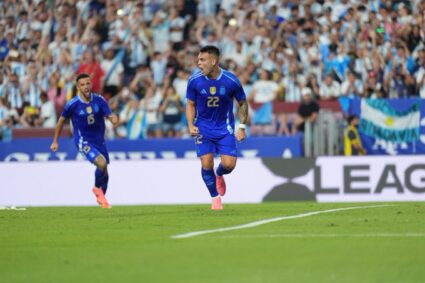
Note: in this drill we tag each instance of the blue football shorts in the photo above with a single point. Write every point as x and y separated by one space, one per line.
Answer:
92 150
222 145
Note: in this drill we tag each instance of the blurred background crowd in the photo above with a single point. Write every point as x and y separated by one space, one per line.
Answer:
140 55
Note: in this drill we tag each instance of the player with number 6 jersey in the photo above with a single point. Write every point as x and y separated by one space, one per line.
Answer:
87 112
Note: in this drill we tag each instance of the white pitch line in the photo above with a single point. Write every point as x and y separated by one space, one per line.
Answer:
326 235
12 208
266 221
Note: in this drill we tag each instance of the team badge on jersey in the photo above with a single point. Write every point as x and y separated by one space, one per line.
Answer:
222 90
213 90
89 110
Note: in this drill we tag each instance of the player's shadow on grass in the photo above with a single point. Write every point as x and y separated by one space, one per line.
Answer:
290 169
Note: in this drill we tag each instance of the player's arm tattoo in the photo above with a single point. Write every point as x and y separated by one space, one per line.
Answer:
243 111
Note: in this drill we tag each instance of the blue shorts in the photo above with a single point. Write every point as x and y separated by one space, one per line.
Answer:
91 151
225 145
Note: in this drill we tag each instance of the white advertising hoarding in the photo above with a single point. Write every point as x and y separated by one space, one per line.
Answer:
324 179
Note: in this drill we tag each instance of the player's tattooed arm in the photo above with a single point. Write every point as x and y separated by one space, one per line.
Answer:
243 111
243 118
190 116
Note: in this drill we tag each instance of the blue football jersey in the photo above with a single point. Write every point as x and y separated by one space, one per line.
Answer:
88 119
214 102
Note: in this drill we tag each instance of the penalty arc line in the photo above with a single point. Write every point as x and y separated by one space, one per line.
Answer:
270 220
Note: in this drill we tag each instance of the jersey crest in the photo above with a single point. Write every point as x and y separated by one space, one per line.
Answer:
222 90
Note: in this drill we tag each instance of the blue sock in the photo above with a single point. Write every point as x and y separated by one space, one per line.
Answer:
101 180
105 182
209 180
222 171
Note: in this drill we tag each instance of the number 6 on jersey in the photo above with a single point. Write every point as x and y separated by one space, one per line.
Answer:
90 119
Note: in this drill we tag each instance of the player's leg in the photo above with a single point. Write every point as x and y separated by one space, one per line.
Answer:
99 157
101 162
101 174
205 150
101 181
228 150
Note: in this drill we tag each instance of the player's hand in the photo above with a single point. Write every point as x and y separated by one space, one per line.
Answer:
240 134
114 120
193 130
54 146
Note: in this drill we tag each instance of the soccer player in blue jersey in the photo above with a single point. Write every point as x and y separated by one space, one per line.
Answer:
87 112
210 118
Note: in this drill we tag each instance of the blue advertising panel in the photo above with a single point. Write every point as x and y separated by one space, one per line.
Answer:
39 149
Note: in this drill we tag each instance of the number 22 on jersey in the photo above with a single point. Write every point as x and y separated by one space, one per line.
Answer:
212 101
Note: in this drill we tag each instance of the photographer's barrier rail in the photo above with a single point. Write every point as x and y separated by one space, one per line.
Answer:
324 179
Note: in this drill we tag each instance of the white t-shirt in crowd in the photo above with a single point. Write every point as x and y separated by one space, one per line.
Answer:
176 28
265 91
329 91
114 78
48 112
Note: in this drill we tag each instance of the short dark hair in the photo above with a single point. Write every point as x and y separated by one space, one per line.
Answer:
210 49
82 76
351 118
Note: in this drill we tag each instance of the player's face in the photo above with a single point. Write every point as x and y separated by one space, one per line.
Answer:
84 86
206 62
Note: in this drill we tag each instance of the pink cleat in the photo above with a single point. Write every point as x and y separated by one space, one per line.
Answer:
221 185
100 197
216 203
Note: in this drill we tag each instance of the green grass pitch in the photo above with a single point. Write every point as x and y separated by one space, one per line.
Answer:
134 244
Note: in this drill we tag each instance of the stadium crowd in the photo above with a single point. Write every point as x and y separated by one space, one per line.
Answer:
140 54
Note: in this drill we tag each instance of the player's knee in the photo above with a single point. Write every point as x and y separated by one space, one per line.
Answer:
101 164
229 166
207 164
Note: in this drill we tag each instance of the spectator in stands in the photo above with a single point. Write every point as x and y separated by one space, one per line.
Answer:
114 71
3 83
14 94
297 41
6 122
307 111
352 142
180 84
4 112
171 109
47 116
29 116
150 105
330 89
292 84
420 74
31 86
56 92
89 65
263 93
352 87
313 84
